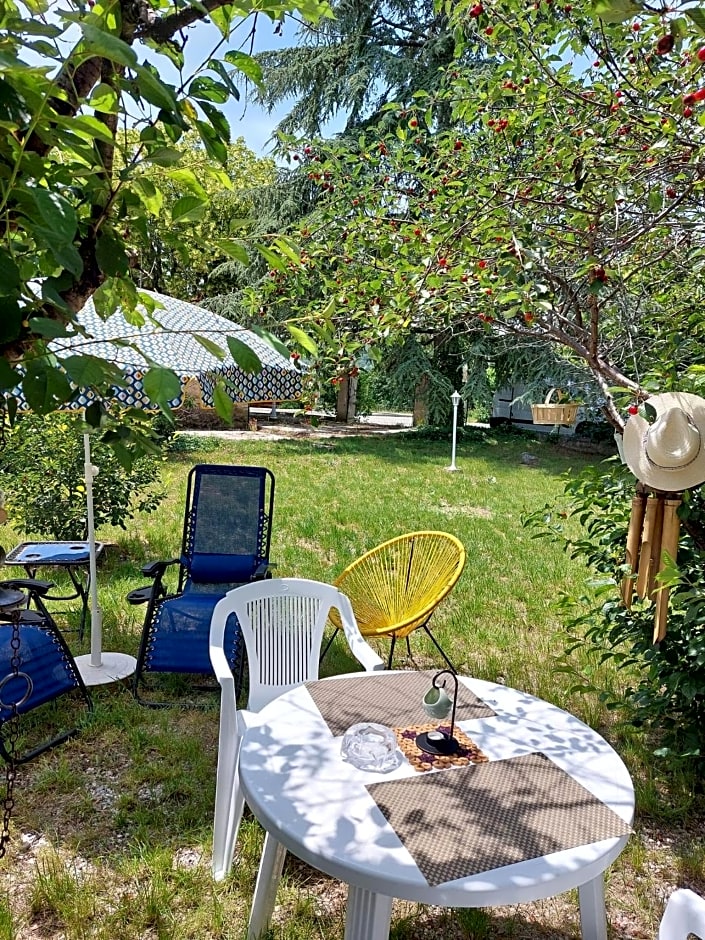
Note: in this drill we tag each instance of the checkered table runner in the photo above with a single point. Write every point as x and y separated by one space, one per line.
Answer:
465 820
392 700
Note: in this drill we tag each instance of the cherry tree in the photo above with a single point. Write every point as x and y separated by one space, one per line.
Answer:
564 207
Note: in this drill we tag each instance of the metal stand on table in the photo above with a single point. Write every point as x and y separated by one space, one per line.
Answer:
74 557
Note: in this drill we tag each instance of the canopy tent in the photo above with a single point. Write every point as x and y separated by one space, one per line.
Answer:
166 338
170 343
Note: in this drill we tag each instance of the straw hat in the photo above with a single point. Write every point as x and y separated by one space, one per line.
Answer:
669 453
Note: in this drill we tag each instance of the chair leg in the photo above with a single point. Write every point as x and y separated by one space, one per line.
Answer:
391 652
328 646
440 649
270 871
229 799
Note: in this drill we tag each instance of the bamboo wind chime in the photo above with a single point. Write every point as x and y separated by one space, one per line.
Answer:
653 533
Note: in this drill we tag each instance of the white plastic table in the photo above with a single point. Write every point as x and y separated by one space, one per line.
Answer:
317 806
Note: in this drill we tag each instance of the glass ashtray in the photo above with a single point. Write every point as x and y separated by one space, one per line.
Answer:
369 746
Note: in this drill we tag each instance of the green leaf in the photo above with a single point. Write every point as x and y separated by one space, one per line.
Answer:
215 148
233 249
245 357
218 121
222 402
161 385
152 198
155 90
45 387
104 98
9 273
648 412
616 11
186 179
164 156
206 88
655 200
273 340
189 209
272 258
9 379
213 348
697 15
287 249
244 63
55 216
303 339
110 254
45 326
108 46
91 372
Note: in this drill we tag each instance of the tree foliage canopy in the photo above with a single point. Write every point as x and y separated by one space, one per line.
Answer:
565 206
74 185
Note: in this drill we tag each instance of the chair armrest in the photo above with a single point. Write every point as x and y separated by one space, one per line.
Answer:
156 569
359 647
29 584
263 570
140 595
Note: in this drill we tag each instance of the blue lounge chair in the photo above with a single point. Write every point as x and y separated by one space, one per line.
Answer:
226 541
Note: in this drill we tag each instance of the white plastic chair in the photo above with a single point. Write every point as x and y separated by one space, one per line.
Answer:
684 915
282 622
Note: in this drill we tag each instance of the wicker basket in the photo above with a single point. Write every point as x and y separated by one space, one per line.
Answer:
555 413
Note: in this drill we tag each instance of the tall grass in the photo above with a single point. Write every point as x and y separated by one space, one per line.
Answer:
111 834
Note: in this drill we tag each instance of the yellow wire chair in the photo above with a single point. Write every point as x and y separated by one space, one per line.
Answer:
395 588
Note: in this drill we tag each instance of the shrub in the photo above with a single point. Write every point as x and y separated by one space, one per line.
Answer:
665 683
43 478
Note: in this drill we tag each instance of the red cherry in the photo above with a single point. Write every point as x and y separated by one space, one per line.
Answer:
699 95
665 44
458 145
701 54
636 27
413 123
633 410
489 30
482 264
671 192
687 112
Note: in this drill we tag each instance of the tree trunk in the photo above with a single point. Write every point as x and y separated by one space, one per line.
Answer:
347 400
421 402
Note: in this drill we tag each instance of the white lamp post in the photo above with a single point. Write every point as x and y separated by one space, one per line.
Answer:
455 398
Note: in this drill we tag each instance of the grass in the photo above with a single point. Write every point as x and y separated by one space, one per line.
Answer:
111 832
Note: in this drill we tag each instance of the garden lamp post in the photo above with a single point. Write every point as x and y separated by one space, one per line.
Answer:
455 398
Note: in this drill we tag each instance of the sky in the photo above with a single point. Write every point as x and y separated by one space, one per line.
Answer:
247 120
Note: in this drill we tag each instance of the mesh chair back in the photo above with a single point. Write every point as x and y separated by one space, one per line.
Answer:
227 527
225 543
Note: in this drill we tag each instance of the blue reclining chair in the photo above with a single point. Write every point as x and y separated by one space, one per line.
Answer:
36 668
226 539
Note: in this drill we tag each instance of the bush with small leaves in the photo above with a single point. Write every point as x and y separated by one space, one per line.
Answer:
43 479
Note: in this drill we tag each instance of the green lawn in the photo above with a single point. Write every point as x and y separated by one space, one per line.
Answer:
111 832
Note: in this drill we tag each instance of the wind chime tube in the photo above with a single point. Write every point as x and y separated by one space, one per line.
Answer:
645 554
636 522
655 548
669 546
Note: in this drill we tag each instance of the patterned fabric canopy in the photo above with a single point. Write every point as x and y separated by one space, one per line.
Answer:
170 343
